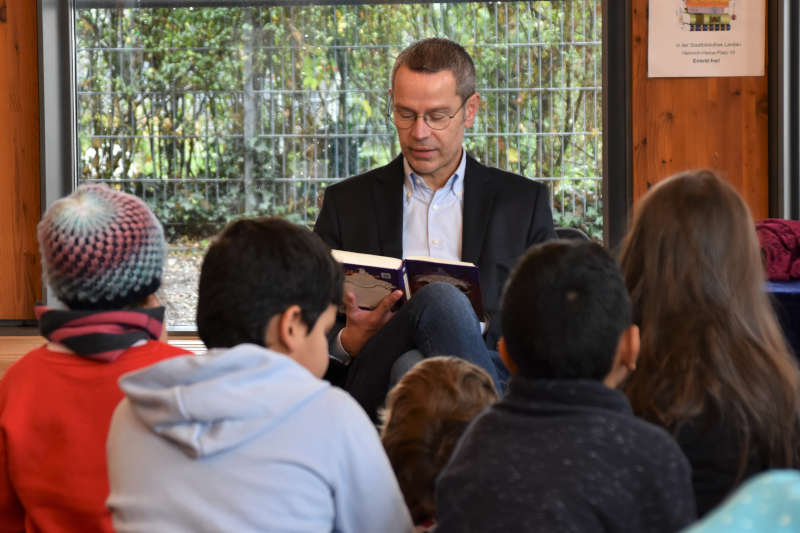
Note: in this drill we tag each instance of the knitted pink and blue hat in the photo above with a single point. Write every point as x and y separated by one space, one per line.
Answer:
101 248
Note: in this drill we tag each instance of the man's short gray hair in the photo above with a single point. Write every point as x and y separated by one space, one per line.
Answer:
435 55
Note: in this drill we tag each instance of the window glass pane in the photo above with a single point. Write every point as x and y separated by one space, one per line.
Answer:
213 113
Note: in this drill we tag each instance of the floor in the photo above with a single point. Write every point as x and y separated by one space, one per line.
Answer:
12 347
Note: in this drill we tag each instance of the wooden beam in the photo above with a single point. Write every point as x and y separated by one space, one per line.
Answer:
20 203
690 123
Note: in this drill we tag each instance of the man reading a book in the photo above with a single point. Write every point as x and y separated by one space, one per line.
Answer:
432 200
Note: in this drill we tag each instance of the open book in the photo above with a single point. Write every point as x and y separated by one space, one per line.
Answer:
372 277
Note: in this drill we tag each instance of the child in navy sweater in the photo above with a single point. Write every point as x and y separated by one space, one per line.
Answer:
562 451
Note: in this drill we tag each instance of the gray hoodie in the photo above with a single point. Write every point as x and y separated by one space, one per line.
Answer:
246 439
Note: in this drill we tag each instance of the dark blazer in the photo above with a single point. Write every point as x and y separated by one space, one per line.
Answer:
504 214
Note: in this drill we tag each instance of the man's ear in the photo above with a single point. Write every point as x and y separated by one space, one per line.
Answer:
625 358
502 349
471 109
285 330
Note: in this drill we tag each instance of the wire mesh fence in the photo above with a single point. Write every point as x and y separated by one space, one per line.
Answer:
214 113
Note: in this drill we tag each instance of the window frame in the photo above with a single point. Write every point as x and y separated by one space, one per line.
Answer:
57 135
617 121
783 42
58 124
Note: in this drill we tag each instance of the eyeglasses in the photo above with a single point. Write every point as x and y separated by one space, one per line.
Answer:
436 120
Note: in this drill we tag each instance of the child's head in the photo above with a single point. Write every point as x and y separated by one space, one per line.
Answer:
426 413
269 282
693 231
566 314
710 338
101 249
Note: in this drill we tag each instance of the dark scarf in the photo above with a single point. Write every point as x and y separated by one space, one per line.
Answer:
100 335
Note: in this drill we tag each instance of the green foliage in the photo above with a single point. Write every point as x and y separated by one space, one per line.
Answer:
189 210
589 221
578 204
215 113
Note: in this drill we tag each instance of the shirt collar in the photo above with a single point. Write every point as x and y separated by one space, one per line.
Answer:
567 392
455 184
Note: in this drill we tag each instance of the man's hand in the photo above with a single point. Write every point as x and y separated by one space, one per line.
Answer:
363 324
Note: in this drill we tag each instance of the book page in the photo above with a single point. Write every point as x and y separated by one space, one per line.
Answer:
437 260
378 261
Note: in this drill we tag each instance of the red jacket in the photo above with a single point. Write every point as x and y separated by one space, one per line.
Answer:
55 409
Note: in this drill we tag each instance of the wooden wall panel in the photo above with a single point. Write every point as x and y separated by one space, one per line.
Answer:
20 204
685 123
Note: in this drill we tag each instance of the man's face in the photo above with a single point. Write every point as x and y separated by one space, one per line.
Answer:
433 154
312 351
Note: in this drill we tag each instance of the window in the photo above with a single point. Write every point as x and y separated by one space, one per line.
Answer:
783 37
212 113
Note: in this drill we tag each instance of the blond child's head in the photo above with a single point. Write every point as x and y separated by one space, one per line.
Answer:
426 414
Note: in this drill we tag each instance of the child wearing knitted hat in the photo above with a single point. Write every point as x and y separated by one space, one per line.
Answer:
103 253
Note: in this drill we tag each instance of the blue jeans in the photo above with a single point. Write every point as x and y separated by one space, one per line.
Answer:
438 320
406 362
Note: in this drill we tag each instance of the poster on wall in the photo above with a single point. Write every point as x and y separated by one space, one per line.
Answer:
703 38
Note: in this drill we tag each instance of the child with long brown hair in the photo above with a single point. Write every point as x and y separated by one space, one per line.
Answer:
714 367
426 413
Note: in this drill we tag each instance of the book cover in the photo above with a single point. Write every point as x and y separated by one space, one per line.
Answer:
371 277
464 276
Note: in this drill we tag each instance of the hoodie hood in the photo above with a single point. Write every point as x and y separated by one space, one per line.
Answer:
206 404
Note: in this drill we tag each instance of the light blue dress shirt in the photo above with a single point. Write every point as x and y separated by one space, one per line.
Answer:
432 220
